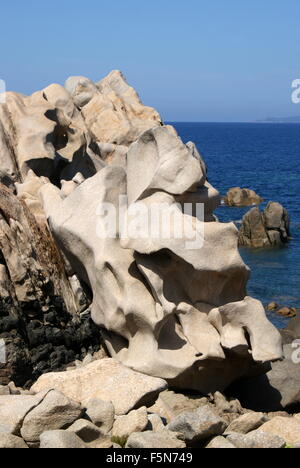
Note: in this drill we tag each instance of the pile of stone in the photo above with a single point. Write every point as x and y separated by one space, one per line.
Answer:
137 413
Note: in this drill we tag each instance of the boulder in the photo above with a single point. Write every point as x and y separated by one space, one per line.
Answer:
242 197
286 428
257 440
292 331
227 405
9 441
101 413
112 109
246 423
276 389
155 423
170 404
61 440
135 421
56 411
87 431
14 408
107 380
187 315
288 312
220 443
198 425
155 440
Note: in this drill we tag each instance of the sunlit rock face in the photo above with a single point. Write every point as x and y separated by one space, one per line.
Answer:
173 306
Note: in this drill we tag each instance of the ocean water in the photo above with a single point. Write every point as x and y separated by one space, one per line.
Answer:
265 158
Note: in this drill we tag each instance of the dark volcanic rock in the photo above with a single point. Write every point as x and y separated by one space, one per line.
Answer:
36 346
39 319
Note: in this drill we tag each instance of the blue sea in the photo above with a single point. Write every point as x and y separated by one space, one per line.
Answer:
265 158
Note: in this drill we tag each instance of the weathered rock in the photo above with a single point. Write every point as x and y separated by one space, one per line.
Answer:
101 413
156 423
56 411
61 440
272 306
246 423
286 428
226 405
81 89
9 441
220 443
4 390
87 431
294 327
174 301
198 425
153 440
257 440
200 330
242 197
13 410
37 305
276 389
166 163
107 380
252 231
270 228
112 109
135 421
170 404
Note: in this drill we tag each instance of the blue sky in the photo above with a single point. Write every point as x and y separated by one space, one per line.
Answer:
194 60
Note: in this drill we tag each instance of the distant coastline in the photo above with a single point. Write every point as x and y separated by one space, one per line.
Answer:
282 120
